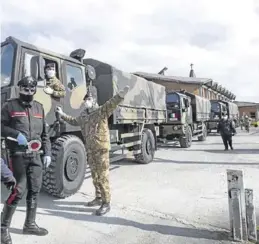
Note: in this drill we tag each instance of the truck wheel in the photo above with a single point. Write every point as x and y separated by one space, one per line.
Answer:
147 147
66 173
187 141
203 137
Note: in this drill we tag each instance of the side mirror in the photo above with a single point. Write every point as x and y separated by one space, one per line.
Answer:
90 70
37 67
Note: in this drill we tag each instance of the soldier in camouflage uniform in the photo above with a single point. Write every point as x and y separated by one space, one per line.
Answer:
54 86
94 125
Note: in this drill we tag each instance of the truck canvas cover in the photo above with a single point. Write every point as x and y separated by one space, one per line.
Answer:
201 107
145 99
233 110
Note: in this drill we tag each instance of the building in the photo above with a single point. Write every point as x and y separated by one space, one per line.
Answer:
203 87
248 108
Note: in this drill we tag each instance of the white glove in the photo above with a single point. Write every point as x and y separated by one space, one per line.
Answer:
59 110
48 90
46 161
123 92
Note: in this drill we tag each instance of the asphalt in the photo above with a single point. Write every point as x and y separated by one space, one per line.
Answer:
179 198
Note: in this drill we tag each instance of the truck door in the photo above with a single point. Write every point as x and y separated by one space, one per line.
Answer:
76 87
48 102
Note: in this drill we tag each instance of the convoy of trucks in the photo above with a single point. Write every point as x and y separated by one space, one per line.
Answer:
146 115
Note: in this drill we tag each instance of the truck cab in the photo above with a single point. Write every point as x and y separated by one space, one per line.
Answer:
133 125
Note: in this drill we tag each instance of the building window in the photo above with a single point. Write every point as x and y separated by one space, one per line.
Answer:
252 115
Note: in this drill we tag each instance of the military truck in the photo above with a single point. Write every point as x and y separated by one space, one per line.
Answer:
186 118
133 126
218 107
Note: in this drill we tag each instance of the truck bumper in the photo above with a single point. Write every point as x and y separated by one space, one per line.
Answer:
212 125
171 131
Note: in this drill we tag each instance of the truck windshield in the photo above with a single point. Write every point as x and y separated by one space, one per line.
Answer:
172 98
215 107
7 57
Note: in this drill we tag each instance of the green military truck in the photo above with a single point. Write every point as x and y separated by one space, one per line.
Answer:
187 115
218 108
133 126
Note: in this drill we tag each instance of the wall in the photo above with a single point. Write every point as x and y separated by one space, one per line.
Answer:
171 86
247 110
197 89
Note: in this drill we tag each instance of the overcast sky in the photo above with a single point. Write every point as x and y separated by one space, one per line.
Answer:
220 37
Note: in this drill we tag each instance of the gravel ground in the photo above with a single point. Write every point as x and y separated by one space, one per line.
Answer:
179 198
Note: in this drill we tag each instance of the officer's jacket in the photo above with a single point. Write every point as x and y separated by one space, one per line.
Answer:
26 118
6 173
226 127
94 126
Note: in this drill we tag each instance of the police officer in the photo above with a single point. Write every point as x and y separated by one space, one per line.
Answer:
8 179
226 128
94 124
54 86
23 119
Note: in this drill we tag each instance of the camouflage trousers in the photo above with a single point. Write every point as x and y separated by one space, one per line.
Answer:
99 164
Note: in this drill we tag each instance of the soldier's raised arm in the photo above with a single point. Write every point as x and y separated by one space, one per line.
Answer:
75 121
108 108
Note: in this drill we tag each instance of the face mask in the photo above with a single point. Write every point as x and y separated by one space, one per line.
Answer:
88 103
50 73
225 117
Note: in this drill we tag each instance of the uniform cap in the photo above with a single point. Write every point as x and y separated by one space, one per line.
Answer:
27 81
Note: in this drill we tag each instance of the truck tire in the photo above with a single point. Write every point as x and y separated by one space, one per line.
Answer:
187 141
66 173
203 137
147 147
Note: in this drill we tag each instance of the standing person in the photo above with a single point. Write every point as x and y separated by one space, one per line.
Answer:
23 119
226 128
247 123
94 125
8 179
54 86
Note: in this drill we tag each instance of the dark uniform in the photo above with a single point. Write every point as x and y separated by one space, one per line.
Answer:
25 118
226 128
6 175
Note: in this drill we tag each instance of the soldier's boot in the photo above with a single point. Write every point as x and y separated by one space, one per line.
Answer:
105 208
30 227
6 218
96 202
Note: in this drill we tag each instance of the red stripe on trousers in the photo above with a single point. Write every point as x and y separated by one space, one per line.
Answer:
14 192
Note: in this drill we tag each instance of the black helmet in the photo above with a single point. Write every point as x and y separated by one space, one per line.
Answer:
27 81
28 87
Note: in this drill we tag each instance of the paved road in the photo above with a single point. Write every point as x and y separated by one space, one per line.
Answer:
179 198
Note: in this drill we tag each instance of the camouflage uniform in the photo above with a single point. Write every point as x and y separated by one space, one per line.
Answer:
57 86
95 130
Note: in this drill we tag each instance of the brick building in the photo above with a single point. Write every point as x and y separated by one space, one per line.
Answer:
248 108
203 87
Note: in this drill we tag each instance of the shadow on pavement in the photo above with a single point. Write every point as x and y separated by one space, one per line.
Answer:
162 229
235 151
162 160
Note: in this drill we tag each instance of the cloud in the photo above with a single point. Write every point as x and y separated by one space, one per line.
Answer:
220 37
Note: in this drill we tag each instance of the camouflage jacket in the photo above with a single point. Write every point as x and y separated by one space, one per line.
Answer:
94 126
57 86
